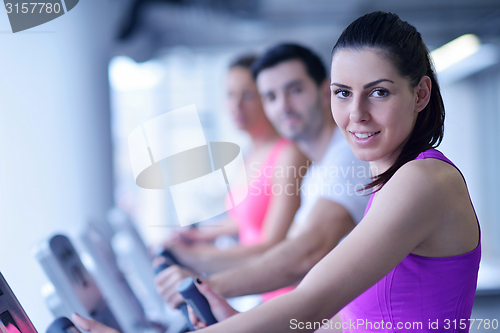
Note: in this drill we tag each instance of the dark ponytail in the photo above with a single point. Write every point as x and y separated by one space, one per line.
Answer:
403 45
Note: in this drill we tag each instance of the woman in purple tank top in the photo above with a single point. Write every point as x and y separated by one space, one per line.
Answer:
411 264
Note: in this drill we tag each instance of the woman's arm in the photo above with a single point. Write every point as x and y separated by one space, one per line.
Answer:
403 215
277 221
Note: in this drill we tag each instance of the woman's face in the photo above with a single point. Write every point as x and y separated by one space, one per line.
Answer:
373 105
243 99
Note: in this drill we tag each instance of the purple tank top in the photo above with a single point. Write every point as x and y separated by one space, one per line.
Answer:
421 294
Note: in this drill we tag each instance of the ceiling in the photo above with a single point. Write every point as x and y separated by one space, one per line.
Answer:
150 26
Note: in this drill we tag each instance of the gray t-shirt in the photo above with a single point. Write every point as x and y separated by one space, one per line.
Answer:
337 177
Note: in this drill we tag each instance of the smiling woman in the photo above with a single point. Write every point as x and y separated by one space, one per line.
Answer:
412 63
375 106
387 103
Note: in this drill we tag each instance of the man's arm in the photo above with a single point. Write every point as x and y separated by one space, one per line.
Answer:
289 261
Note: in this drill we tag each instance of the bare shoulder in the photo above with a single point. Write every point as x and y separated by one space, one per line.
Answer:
430 177
416 196
434 197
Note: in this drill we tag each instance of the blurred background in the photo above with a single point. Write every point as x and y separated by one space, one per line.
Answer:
72 90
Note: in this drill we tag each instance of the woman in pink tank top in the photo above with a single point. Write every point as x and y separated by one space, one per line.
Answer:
411 264
263 218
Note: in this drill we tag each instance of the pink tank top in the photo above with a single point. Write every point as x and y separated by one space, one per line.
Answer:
421 294
250 213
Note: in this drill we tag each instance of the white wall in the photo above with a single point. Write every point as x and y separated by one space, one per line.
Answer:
55 146
471 141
